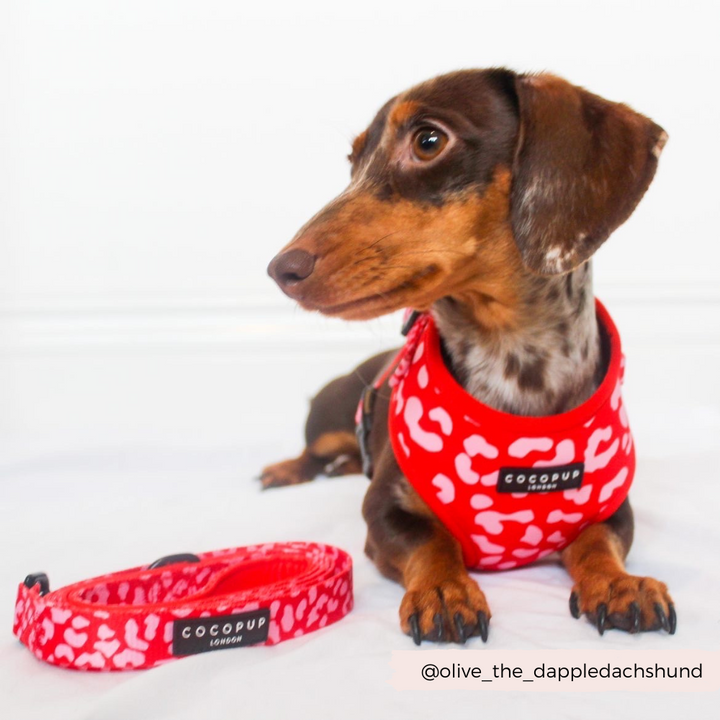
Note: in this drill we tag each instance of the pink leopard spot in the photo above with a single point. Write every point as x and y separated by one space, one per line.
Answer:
579 496
129 657
595 460
442 417
493 521
463 467
429 441
557 516
422 377
524 553
481 502
486 545
524 446
74 639
446 489
288 619
617 482
564 454
533 535
60 617
107 647
478 445
64 651
490 480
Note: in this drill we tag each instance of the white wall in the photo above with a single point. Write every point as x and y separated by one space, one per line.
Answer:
155 155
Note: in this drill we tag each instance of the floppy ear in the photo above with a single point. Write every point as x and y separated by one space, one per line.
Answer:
581 165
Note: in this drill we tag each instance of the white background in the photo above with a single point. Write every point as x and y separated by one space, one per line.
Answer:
153 158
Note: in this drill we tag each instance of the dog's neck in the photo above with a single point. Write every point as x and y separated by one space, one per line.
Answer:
547 362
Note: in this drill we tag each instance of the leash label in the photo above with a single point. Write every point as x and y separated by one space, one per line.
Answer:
541 479
198 635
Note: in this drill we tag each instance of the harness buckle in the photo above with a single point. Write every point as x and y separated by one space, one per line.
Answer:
363 429
407 326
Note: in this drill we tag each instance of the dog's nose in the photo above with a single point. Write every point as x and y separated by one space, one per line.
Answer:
290 267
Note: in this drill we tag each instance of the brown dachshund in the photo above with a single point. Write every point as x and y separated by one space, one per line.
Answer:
479 197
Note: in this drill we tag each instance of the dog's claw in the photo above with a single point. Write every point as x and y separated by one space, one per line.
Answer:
660 613
672 619
482 621
460 628
601 615
415 627
574 605
634 617
439 631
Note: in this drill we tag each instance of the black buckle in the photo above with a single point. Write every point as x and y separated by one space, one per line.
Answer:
408 324
172 559
40 579
363 429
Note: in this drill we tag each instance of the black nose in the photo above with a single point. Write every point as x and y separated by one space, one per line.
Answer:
291 267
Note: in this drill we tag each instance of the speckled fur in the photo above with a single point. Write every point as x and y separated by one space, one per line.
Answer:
550 363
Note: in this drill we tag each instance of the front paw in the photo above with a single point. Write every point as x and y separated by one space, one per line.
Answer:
625 602
448 611
282 474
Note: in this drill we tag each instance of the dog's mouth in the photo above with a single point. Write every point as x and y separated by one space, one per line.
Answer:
379 302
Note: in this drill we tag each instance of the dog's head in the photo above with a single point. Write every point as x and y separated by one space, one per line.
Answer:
463 183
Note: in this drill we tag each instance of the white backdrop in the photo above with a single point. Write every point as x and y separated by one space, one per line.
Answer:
155 155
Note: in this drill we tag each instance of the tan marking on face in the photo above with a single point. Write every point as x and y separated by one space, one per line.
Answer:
402 112
374 257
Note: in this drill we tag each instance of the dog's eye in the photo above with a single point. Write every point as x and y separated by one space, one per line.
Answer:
428 143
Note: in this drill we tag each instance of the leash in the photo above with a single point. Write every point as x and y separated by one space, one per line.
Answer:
185 604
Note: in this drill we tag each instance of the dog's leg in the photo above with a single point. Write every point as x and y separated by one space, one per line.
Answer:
604 591
333 453
331 445
409 545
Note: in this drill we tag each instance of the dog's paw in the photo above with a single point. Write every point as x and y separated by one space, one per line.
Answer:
288 472
625 602
450 611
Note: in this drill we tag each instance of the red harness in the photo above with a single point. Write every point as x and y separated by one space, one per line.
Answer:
146 616
510 488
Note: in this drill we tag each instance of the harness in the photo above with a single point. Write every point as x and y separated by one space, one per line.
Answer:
510 488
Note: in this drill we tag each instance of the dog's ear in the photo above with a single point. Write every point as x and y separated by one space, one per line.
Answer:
581 165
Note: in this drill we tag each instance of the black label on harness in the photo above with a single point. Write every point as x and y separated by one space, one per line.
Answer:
198 635
540 479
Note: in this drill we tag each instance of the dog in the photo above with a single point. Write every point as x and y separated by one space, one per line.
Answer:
477 199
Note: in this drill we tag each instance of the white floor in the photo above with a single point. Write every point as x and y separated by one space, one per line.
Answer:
121 482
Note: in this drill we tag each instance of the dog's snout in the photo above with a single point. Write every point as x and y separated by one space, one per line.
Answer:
291 267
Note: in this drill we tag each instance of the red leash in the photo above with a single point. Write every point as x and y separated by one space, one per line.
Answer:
185 604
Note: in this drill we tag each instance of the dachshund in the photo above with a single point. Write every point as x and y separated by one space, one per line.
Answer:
477 199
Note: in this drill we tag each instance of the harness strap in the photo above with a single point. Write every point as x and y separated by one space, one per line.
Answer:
366 407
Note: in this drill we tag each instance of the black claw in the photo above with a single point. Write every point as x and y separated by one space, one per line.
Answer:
460 627
574 605
482 621
662 617
634 617
672 619
439 630
415 627
601 615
